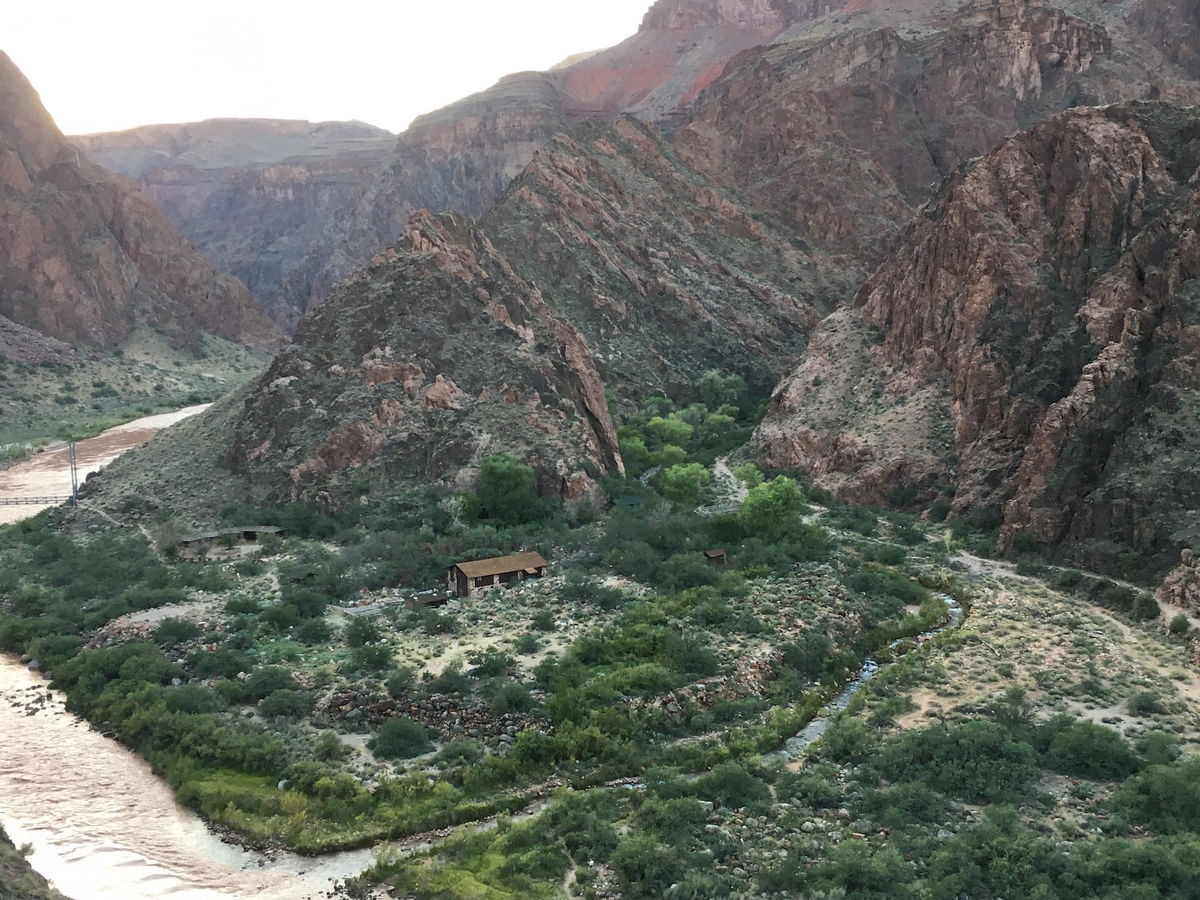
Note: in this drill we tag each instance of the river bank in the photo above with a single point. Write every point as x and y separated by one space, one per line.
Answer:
103 827
48 474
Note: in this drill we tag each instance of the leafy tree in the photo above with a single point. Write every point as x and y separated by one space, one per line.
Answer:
671 430
1088 750
401 739
749 474
361 631
717 389
770 509
644 867
682 484
506 491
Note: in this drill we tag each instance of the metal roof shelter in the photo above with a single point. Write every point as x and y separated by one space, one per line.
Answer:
466 577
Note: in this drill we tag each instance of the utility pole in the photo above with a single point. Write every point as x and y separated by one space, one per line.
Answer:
74 474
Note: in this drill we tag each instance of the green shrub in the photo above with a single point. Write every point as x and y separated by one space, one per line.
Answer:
810 788
1144 703
978 761
1164 798
847 740
171 632
730 785
1180 624
1087 750
401 682
912 803
400 739
287 704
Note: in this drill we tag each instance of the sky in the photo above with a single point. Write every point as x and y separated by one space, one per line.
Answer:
106 65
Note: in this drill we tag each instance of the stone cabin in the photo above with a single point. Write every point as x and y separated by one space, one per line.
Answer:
468 578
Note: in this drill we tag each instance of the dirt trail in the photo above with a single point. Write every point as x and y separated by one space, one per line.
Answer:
49 473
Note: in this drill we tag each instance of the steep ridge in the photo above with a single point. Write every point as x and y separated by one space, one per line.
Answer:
434 355
254 195
845 131
463 156
666 273
85 258
1032 346
607 269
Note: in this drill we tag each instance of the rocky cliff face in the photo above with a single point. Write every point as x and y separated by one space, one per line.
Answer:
1032 346
462 157
85 258
844 132
254 195
436 354
664 271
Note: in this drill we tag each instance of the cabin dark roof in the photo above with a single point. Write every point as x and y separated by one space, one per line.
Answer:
715 554
500 565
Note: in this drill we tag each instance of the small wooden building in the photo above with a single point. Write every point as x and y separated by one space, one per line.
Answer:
467 578
716 557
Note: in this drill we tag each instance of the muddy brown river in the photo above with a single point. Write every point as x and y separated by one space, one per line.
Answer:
49 473
101 825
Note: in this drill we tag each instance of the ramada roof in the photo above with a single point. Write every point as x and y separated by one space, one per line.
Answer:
499 565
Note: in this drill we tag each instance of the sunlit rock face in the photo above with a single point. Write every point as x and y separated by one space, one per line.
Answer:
85 258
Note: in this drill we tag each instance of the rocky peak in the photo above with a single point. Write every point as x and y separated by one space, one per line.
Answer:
768 17
434 355
85 258
28 135
1037 326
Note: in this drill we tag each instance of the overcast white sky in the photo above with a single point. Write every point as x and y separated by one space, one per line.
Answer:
103 65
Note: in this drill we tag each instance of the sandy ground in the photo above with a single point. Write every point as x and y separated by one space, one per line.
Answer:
49 473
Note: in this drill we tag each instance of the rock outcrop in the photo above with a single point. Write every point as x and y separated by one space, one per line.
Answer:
845 131
254 195
1032 346
1182 586
664 271
85 258
435 355
463 156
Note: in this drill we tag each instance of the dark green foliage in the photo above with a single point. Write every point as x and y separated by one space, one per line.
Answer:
808 655
1087 750
851 871
451 681
268 680
506 493
401 682
400 739
191 698
645 867
313 632
459 752
287 704
847 740
1144 607
361 631
906 804
1145 703
1180 624
810 788
730 785
490 663
1165 798
171 632
978 761
372 658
